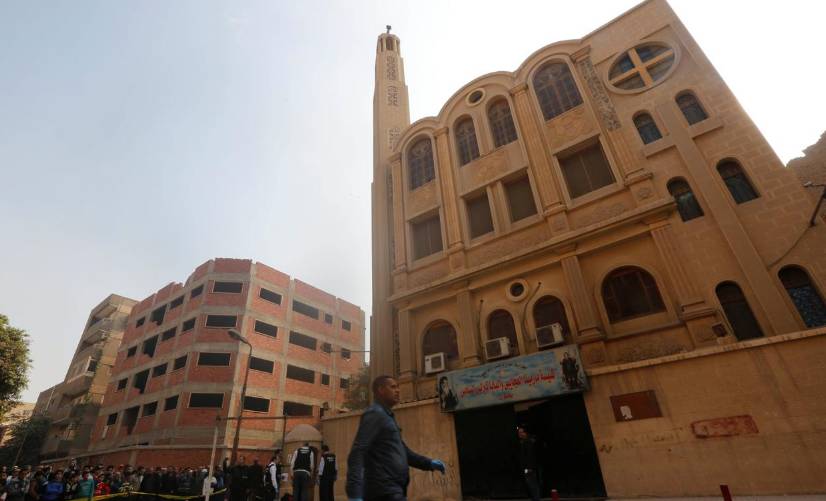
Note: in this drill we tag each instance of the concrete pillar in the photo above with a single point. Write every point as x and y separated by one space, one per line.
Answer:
583 307
408 361
399 238
468 331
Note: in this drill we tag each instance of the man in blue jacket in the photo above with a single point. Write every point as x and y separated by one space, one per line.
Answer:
379 461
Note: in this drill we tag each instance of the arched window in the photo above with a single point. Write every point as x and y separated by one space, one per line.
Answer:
687 203
738 312
501 123
548 311
466 143
440 338
649 132
736 181
420 163
556 90
500 324
630 292
805 296
691 108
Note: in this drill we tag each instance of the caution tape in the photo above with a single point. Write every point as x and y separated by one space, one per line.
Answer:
153 494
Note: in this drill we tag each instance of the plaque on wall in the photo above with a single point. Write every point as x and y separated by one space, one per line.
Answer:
633 406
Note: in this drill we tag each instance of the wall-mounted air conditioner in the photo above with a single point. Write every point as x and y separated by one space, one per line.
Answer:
434 363
549 335
497 348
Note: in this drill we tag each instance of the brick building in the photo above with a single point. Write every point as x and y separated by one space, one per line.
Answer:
177 367
72 405
601 246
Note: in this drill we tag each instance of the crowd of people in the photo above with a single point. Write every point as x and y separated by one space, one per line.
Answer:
237 482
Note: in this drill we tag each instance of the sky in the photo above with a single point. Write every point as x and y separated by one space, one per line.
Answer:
140 139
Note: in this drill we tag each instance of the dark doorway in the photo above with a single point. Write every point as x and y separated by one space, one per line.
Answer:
489 449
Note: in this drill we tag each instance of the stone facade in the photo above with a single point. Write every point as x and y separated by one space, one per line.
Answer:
179 323
640 90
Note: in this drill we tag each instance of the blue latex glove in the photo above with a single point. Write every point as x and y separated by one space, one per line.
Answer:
438 465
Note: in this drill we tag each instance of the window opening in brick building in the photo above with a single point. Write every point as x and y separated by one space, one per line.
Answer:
159 370
344 383
345 354
179 363
479 217
157 315
112 419
130 418
256 404
221 321
328 319
266 329
206 400
305 309
122 384
325 379
268 295
149 346
228 287
170 403
427 237
297 409
132 351
326 347
196 291
168 334
346 325
586 170
188 325
150 409
213 359
303 340
93 365
520 199
261 364
176 302
139 381
300 374
140 321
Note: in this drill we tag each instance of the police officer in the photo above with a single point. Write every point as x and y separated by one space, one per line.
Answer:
302 471
327 474
272 477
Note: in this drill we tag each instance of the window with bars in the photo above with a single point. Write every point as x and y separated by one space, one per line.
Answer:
501 123
440 338
630 292
556 90
521 203
687 204
738 312
736 181
480 221
691 108
586 170
805 296
420 163
466 144
647 128
427 236
268 295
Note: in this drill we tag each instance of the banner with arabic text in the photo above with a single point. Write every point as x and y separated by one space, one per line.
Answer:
529 377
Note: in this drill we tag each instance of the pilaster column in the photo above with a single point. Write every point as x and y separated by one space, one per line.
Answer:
454 246
468 332
538 158
672 258
397 197
407 358
586 317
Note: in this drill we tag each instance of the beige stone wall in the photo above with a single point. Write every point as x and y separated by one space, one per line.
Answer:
425 430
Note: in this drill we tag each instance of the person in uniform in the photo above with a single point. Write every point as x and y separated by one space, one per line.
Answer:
379 461
302 472
528 463
272 477
238 480
255 482
327 474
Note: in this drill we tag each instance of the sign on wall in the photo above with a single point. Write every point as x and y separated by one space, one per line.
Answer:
530 377
633 406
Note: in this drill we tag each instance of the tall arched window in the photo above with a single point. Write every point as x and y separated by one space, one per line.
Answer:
556 90
501 123
420 163
647 127
440 338
630 292
548 311
691 108
687 203
466 143
736 181
805 296
738 312
500 324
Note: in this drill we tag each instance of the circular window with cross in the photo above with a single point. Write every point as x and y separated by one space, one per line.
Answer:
642 67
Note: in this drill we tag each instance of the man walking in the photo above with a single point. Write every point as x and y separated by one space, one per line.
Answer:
527 462
379 461
302 471
327 474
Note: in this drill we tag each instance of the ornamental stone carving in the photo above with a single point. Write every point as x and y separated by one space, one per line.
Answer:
607 113
392 68
392 95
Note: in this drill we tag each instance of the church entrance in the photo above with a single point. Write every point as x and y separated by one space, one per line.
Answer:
489 449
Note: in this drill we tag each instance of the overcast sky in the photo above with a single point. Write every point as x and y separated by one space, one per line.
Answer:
139 139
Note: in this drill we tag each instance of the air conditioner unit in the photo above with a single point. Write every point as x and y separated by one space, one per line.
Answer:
497 348
434 363
549 335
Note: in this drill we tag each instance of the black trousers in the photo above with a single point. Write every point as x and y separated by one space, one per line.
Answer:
302 483
388 497
325 489
532 484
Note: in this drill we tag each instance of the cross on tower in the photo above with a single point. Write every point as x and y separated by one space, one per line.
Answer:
388 29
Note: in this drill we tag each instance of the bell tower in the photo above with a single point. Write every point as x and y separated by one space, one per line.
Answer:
391 115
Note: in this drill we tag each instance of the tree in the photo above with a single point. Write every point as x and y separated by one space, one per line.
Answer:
27 436
358 393
14 364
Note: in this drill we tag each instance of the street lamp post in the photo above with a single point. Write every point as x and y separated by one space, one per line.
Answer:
238 337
